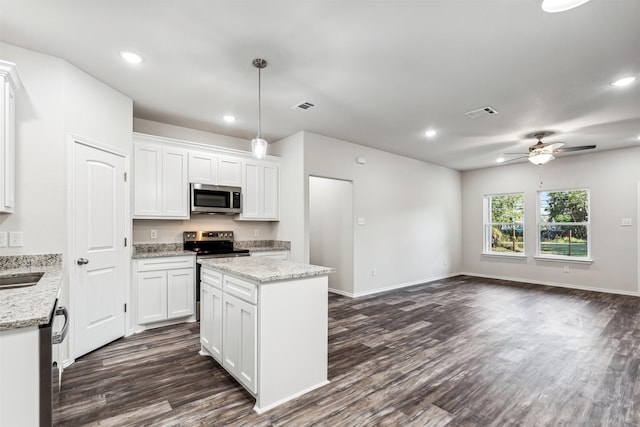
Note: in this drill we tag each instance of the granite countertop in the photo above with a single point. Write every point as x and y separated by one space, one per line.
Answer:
263 245
157 250
264 270
158 254
31 305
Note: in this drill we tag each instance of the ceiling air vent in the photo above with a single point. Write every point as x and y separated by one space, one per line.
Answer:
304 105
481 112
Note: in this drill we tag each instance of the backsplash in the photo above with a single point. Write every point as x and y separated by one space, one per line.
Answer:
170 231
21 261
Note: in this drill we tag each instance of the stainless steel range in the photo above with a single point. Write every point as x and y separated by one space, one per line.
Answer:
210 244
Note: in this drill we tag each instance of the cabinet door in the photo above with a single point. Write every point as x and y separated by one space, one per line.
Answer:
284 255
180 293
229 171
211 320
175 189
270 199
147 169
203 167
240 340
152 296
251 197
7 127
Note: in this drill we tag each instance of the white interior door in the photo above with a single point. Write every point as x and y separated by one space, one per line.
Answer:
99 231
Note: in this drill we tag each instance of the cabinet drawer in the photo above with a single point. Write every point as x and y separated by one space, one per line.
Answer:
246 291
165 263
211 277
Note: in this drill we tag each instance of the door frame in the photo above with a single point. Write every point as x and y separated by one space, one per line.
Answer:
353 227
70 250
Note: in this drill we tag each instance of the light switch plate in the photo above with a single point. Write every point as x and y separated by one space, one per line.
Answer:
154 234
627 222
15 239
360 221
3 239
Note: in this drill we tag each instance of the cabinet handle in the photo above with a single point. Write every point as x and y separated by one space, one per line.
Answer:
82 261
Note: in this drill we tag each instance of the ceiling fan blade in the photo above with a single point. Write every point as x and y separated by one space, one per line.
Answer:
514 159
555 146
514 154
566 149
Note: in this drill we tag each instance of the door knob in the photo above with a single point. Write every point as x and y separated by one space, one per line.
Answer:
82 261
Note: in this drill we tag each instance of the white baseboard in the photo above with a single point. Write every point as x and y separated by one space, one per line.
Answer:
392 287
486 276
555 284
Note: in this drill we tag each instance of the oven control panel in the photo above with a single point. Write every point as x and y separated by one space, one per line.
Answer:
199 236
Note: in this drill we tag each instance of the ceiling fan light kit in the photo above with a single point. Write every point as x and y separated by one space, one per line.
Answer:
553 6
540 158
258 144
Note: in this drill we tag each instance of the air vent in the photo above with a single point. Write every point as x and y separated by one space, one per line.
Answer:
304 105
481 112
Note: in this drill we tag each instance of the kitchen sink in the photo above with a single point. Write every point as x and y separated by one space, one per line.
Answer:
19 280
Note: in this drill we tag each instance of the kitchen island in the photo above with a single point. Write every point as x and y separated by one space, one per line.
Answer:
265 321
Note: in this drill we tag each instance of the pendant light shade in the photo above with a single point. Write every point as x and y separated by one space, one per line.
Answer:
259 148
258 144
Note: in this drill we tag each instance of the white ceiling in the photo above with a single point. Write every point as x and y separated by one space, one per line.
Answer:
379 72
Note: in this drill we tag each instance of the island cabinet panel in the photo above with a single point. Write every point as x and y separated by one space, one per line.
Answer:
274 333
239 340
211 320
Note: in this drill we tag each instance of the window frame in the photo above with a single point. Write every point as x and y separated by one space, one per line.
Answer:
539 224
487 226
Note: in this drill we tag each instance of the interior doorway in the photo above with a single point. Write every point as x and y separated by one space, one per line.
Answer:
331 230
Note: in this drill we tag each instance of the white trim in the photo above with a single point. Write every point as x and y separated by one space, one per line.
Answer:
288 398
341 292
68 258
517 256
638 242
403 285
564 259
554 284
197 145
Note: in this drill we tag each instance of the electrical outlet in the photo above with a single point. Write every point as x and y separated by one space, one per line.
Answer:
154 234
256 232
360 221
626 222
444 261
566 269
374 272
3 239
15 239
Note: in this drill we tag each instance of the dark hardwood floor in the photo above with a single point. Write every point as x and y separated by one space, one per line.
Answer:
457 352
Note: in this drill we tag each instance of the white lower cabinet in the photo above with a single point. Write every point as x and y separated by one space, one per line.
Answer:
239 339
165 289
271 337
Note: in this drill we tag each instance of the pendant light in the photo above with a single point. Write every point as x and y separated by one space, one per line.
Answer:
259 145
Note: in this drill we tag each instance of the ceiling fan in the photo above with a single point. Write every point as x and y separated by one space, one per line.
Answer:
541 152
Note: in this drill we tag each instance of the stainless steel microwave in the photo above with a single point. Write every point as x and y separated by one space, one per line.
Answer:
215 199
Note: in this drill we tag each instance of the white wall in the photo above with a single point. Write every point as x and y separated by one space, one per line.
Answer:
291 225
411 209
331 230
57 99
612 178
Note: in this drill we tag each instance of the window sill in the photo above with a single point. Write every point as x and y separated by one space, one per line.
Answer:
508 256
564 259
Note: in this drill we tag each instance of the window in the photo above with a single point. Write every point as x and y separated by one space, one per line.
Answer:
564 224
503 225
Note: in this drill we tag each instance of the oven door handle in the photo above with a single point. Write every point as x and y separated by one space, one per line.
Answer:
58 338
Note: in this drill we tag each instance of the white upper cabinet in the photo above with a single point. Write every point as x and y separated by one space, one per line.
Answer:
260 191
10 83
229 171
215 169
161 187
203 167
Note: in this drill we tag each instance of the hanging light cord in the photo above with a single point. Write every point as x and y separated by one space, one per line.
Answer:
259 103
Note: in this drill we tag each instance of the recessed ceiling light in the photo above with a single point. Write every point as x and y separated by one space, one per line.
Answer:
625 81
638 137
131 57
430 133
553 6
229 118
500 159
